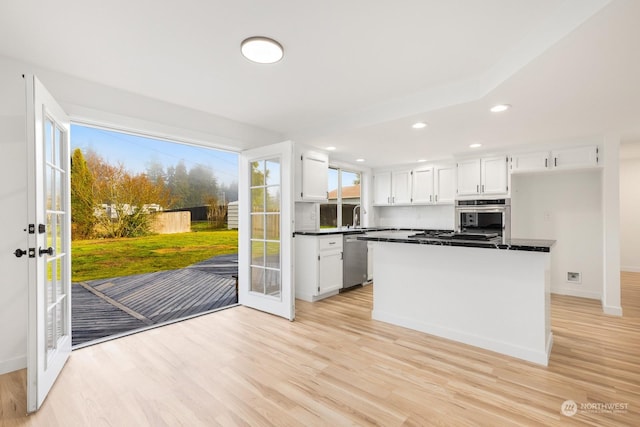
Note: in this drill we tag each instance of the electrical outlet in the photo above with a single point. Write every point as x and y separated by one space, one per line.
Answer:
574 277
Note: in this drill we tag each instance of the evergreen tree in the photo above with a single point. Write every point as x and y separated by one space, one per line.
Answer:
83 219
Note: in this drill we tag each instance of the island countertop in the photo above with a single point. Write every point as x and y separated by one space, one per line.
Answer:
514 244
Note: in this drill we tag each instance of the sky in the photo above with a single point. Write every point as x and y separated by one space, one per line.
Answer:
136 152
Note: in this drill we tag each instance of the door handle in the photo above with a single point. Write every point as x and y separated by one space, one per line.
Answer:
48 251
19 252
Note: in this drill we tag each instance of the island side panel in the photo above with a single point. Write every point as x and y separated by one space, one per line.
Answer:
490 298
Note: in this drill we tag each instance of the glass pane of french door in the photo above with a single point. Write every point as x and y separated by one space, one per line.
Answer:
265 228
56 297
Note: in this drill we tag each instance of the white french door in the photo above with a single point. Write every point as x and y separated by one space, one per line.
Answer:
49 238
266 230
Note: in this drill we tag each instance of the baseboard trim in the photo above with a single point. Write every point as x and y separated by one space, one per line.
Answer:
576 293
612 310
11 365
630 269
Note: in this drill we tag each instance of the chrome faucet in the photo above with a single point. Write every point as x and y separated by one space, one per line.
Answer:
355 216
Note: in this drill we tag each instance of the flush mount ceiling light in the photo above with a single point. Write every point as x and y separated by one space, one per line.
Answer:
262 50
419 125
500 108
476 145
331 148
422 160
360 160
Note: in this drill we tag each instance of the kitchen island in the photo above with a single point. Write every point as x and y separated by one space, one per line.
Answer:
494 295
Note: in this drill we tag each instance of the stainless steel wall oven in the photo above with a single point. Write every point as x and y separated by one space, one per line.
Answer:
484 217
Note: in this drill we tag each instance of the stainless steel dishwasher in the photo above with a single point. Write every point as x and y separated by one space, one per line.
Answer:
354 261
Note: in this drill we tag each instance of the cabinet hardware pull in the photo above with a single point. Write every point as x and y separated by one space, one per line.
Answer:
430 198
478 188
436 197
483 188
555 162
546 161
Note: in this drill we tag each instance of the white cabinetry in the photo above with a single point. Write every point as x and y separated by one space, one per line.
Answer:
575 158
392 188
401 187
530 162
483 177
433 184
423 180
312 176
560 159
318 266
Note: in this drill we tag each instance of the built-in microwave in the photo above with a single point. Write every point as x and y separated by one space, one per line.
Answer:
484 217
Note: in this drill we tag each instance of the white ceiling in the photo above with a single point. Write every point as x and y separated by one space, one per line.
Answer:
356 74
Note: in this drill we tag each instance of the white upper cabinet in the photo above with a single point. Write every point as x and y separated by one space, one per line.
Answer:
486 176
575 158
434 184
445 184
382 188
565 158
312 176
494 176
469 177
401 187
392 188
423 180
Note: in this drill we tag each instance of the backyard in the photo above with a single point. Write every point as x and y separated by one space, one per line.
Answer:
105 258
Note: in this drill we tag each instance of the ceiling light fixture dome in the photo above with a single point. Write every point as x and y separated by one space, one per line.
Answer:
500 108
262 50
419 125
475 145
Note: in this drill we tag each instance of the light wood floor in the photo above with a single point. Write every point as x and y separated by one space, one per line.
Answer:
335 366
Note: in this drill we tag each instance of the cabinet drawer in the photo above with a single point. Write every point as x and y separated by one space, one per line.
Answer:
333 242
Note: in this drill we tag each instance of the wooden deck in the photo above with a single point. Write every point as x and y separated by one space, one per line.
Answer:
106 307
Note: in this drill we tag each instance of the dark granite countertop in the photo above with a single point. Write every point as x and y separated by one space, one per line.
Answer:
532 245
329 231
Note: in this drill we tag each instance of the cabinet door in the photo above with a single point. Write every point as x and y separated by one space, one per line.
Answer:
401 187
422 189
382 188
330 271
575 158
494 175
315 178
468 177
530 162
445 184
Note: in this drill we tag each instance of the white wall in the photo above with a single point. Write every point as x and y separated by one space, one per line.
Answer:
437 217
630 214
566 207
13 280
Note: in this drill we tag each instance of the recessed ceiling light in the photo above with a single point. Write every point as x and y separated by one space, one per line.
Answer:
419 125
359 160
262 50
476 145
422 160
331 148
500 108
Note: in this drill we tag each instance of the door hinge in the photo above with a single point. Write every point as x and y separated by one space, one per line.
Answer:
301 157
32 228
42 228
318 257
301 194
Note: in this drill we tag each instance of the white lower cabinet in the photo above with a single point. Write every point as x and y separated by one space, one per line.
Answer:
318 266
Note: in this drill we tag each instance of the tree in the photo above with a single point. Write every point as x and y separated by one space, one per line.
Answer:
83 203
202 186
124 199
178 185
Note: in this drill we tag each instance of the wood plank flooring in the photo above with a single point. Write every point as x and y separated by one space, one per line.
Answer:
335 366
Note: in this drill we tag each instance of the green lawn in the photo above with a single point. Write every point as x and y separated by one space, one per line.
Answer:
104 258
